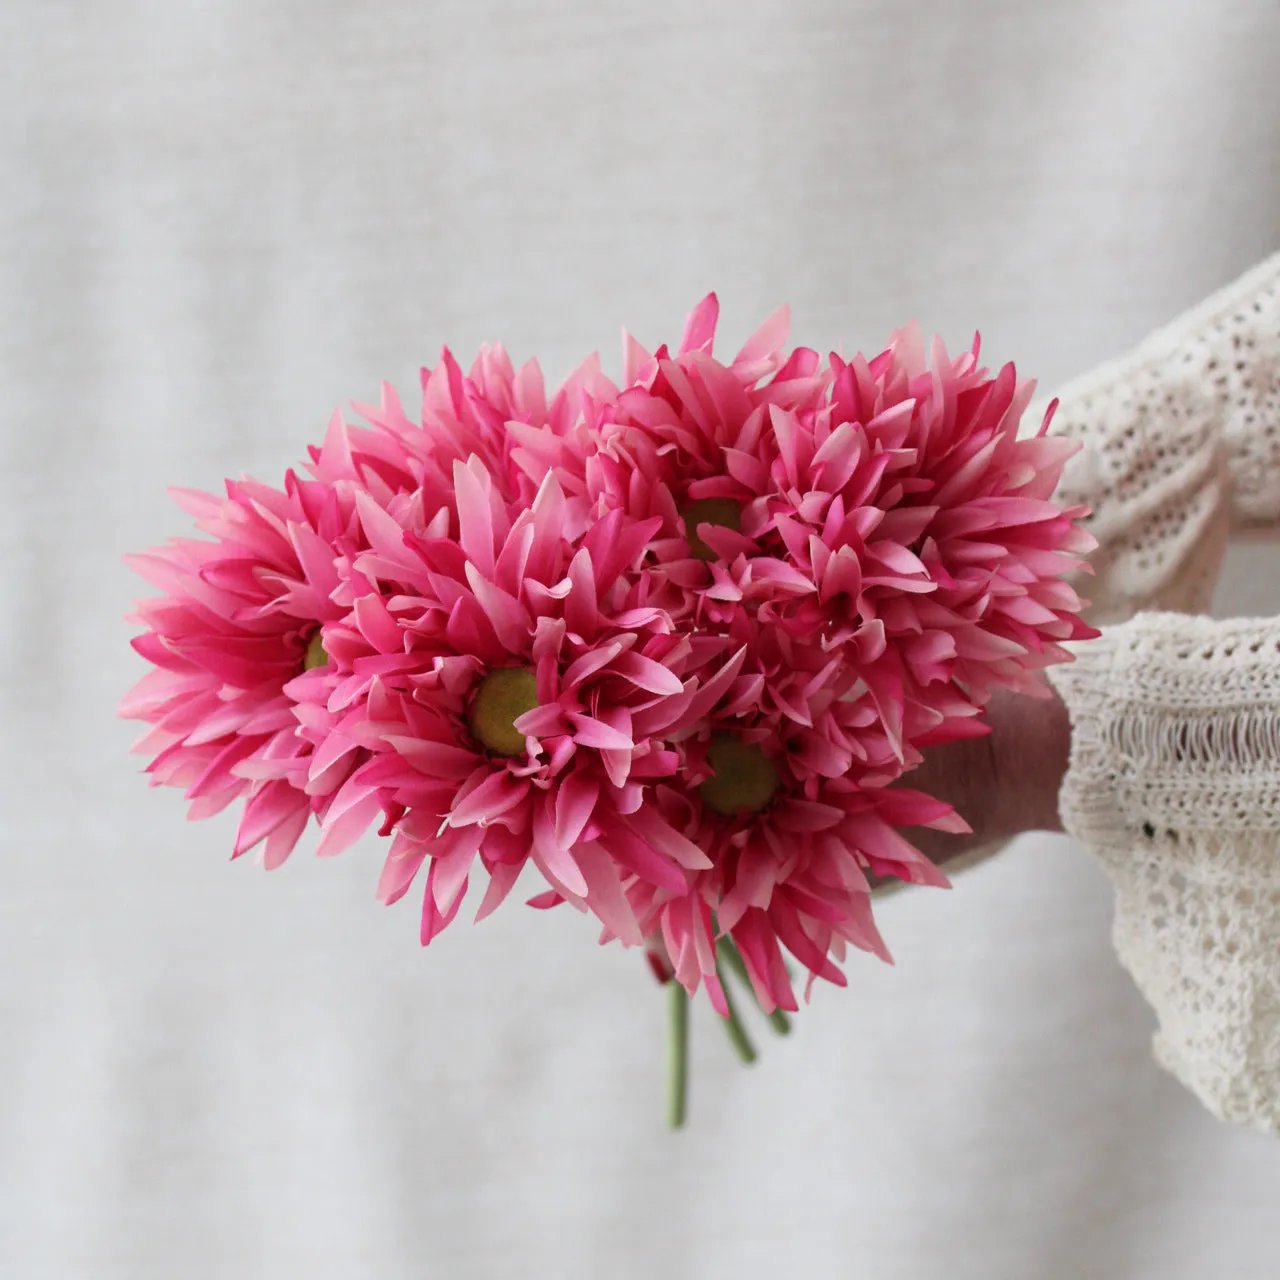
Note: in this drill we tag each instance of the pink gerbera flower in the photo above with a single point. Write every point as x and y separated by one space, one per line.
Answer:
881 547
930 486
669 447
243 700
236 642
495 413
516 688
887 511
791 833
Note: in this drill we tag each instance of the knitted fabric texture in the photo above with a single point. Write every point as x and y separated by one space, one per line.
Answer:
1182 451
1174 779
1174 784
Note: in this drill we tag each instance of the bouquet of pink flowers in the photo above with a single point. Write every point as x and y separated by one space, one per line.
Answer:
668 642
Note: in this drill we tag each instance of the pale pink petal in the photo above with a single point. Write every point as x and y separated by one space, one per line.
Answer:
605 895
475 517
649 826
398 873
700 327
575 802
595 733
498 793
340 833
502 879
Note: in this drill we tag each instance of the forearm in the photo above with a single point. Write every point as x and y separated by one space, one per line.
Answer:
1003 784
1032 746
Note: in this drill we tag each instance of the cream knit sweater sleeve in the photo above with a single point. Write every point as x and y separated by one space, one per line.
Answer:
1174 778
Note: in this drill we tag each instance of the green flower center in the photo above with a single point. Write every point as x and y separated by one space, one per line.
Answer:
743 777
502 698
316 656
724 512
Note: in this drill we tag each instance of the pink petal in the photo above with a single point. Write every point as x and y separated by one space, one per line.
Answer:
283 840
784 919
349 827
590 662
861 929
398 873
902 807
767 339
475 517
432 921
808 815
508 617
386 536
700 327
705 698
502 879
575 803
605 896
377 625
637 856
651 827
276 803
552 858
435 759
634 359
545 901
497 794
589 732
561 868
450 879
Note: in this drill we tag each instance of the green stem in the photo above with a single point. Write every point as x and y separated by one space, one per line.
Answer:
677 1053
734 1029
729 954
778 1019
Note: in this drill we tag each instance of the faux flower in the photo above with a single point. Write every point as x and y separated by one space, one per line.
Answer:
243 700
669 642
235 642
515 691
786 800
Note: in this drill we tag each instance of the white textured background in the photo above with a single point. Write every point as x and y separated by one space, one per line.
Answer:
218 221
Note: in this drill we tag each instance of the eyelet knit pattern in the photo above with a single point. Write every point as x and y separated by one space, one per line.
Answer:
1174 783
1182 450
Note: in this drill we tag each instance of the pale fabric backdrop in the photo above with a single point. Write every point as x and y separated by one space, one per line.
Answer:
221 220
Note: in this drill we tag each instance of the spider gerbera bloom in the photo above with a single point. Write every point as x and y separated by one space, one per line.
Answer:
886 507
781 794
933 491
669 446
235 641
882 545
515 686
496 413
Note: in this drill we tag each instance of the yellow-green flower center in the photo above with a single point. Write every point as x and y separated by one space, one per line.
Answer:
724 512
743 777
316 656
502 698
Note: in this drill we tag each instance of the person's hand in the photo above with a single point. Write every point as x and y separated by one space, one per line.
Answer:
1002 784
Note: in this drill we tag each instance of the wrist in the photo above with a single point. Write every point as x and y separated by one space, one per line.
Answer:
1032 757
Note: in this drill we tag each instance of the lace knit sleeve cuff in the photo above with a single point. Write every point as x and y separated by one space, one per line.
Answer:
1174 783
1182 450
